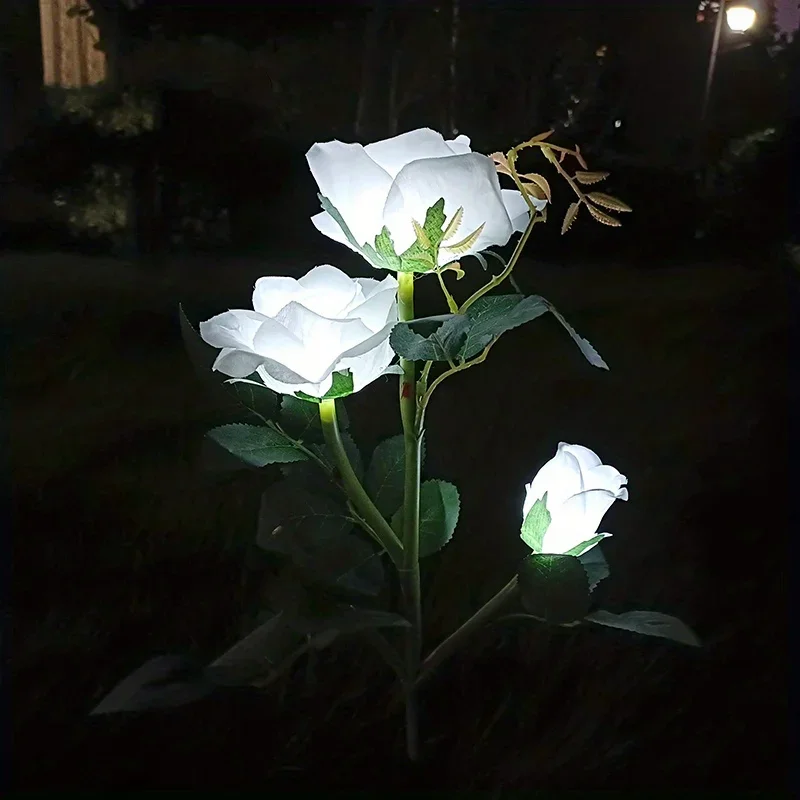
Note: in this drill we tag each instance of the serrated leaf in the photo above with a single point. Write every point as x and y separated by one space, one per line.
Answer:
569 217
540 137
384 246
422 237
589 353
594 563
608 201
439 506
587 545
462 247
578 155
588 178
300 418
602 217
384 481
647 623
434 222
256 445
421 263
452 227
314 531
430 338
258 399
493 315
541 183
535 525
554 588
162 682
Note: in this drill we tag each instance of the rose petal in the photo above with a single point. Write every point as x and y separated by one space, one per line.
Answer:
328 226
560 477
272 293
236 363
327 291
354 183
587 458
576 520
370 365
290 387
379 308
467 181
516 208
460 145
395 153
236 329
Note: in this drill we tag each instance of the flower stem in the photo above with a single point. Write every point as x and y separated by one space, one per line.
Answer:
355 491
460 635
409 573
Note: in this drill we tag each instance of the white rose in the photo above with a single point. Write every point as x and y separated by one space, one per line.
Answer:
580 489
394 181
302 331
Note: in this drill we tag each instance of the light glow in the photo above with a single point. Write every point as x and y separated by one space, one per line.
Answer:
740 18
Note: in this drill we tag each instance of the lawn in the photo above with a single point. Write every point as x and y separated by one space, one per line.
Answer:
125 547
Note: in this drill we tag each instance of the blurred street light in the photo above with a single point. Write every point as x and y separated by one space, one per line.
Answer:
740 17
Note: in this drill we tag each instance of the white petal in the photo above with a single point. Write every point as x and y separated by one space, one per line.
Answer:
322 341
468 181
393 154
354 183
378 309
604 477
272 293
236 329
370 365
560 477
282 387
327 226
237 363
459 145
587 458
327 291
516 208
576 520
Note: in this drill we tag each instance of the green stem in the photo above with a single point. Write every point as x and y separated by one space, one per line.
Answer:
355 491
459 636
409 573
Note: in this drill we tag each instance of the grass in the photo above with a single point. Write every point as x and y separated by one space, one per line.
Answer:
125 548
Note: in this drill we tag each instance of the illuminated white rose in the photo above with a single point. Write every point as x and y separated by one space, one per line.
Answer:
395 181
580 489
302 331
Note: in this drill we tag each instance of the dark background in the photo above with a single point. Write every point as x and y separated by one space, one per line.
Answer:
183 179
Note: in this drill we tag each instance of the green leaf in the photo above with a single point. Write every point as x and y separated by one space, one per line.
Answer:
384 481
339 220
439 505
491 316
589 353
535 524
162 682
554 588
342 386
256 445
595 565
434 223
647 623
586 546
416 263
300 418
259 400
460 248
314 531
439 338
384 246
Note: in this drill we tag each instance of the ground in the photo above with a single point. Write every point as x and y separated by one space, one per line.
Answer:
124 548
